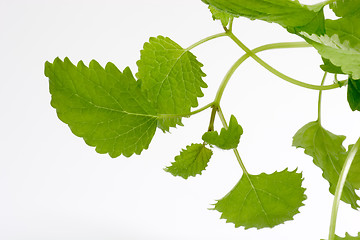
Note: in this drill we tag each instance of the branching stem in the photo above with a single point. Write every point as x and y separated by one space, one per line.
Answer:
340 186
276 72
246 56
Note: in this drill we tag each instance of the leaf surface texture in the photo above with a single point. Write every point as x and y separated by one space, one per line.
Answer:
103 106
265 200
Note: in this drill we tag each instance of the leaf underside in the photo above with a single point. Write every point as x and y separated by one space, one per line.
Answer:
290 14
340 45
348 237
345 8
103 106
191 161
265 200
329 155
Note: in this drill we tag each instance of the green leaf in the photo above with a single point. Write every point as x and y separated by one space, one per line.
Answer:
290 14
340 45
328 154
259 201
353 94
343 8
354 172
348 237
103 106
330 68
228 138
191 161
224 17
171 77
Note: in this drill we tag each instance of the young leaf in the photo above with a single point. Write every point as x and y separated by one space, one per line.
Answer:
328 154
191 161
353 94
290 14
340 45
103 106
228 138
344 8
259 201
171 77
224 17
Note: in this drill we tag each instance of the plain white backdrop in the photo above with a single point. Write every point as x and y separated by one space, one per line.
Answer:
53 186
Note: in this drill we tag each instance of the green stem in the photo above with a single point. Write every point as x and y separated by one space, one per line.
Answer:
340 186
236 152
205 40
246 56
319 101
276 72
186 114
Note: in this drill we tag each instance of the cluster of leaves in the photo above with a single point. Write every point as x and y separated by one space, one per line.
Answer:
119 114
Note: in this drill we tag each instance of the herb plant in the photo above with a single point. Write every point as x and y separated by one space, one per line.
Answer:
119 114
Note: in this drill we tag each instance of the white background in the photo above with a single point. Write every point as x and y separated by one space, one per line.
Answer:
53 186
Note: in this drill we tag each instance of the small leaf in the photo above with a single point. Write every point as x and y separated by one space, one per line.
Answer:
343 8
228 138
353 94
171 77
260 201
290 14
103 106
328 154
224 17
191 161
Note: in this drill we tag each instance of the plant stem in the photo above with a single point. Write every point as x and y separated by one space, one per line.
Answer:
236 152
246 56
276 72
319 101
186 114
205 40
340 186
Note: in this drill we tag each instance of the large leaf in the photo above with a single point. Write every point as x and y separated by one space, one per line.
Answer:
228 138
290 14
104 106
259 201
343 8
353 94
191 161
340 45
171 77
328 154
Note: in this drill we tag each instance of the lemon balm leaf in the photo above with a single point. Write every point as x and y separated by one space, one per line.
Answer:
103 106
191 161
228 138
263 201
171 77
340 45
345 8
289 14
353 94
224 17
328 154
